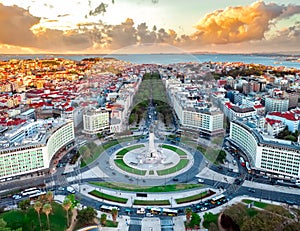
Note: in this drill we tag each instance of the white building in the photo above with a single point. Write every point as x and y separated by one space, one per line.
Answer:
197 115
237 112
276 104
35 151
278 157
289 118
95 121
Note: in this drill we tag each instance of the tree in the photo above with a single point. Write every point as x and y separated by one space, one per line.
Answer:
47 210
37 207
238 213
195 221
188 214
209 218
24 204
73 200
263 221
67 205
114 213
103 219
49 196
213 227
3 226
87 215
292 226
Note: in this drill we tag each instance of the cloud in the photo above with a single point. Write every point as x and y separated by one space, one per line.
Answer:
241 23
234 27
16 25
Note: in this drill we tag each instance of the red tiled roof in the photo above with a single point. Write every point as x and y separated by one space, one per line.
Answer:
229 105
286 115
258 106
272 122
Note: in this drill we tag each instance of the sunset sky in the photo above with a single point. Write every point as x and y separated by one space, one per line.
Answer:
148 26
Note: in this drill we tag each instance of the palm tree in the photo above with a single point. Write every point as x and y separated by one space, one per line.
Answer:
188 214
103 219
114 213
67 205
49 196
37 207
47 210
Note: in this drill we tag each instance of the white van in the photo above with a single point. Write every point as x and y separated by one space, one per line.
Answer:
70 189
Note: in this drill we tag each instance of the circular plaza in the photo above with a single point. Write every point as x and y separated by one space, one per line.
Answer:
152 161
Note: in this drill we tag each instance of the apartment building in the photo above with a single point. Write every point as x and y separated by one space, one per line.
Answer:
31 147
274 156
95 121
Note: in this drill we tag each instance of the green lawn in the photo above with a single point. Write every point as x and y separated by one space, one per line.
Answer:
110 223
122 152
136 188
258 204
108 197
194 197
174 149
91 151
122 165
28 220
181 164
151 202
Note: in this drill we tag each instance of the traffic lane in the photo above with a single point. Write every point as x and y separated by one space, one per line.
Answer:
267 195
23 183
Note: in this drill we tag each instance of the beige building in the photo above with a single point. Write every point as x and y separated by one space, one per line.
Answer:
95 121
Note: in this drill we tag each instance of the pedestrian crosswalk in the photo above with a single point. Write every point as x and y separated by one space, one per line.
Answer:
135 221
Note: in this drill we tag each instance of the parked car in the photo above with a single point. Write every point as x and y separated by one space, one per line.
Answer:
70 189
200 181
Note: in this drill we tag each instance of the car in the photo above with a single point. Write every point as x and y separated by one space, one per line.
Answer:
16 196
140 211
203 209
149 215
61 189
70 189
230 170
200 181
251 190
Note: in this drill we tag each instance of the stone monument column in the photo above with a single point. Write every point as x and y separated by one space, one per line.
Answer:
152 153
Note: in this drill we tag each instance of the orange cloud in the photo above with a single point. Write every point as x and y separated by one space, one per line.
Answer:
233 27
242 23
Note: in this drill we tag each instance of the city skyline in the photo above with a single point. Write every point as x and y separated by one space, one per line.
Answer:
136 26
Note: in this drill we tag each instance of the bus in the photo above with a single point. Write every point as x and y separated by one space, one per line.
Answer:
36 196
170 212
156 211
216 199
108 209
30 191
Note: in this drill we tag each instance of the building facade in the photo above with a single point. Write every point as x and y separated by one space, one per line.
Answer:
278 157
95 121
276 104
36 151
